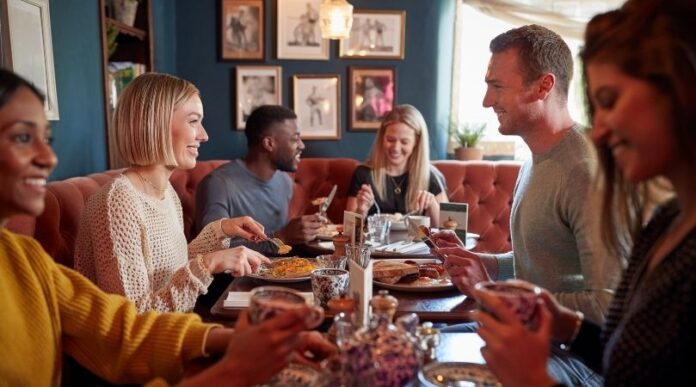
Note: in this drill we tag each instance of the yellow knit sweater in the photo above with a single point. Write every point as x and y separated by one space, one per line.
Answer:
47 309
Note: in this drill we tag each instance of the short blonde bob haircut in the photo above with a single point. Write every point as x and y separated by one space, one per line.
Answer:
418 164
143 118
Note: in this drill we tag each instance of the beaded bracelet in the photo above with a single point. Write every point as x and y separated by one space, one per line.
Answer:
576 330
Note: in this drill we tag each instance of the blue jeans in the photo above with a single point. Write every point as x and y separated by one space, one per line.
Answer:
562 366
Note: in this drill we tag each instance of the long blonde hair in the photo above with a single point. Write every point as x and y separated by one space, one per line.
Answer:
418 164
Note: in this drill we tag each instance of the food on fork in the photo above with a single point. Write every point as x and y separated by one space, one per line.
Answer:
318 201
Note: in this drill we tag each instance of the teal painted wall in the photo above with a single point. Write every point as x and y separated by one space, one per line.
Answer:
186 41
423 77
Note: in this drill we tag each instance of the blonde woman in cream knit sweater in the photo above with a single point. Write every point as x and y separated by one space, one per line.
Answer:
49 310
131 239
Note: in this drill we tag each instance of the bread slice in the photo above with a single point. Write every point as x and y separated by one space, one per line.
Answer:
384 269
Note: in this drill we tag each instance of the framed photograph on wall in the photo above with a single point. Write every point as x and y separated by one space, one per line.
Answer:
372 94
299 36
256 86
376 34
27 48
242 26
316 100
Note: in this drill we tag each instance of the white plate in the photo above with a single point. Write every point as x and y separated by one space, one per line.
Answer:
282 280
457 374
431 286
295 375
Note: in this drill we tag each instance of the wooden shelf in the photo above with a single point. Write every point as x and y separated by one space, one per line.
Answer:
133 44
126 29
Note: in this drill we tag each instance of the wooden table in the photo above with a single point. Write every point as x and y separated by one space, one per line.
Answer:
448 306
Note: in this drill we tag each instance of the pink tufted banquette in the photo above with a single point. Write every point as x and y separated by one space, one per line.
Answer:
486 186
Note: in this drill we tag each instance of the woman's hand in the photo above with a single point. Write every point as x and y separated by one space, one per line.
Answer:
243 227
238 261
516 355
365 198
255 353
425 201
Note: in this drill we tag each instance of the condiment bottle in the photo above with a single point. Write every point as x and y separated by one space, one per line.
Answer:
339 242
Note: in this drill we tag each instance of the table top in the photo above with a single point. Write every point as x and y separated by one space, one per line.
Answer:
449 306
460 347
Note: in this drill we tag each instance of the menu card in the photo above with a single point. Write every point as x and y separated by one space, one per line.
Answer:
241 299
352 227
361 291
457 212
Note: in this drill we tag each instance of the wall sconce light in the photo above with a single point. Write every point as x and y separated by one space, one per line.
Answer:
336 19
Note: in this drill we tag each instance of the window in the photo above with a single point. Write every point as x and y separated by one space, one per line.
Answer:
474 31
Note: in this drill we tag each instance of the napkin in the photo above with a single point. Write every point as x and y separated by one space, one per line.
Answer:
241 299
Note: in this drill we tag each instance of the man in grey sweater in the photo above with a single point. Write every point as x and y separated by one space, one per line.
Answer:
258 185
554 222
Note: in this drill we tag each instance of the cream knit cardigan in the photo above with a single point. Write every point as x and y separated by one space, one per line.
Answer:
132 244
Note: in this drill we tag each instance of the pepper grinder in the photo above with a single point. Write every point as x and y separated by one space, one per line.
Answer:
339 242
342 306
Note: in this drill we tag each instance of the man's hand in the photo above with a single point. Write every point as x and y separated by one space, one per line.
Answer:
302 229
465 268
446 238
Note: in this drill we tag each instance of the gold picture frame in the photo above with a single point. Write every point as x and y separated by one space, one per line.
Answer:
317 103
372 95
242 29
299 36
256 86
376 34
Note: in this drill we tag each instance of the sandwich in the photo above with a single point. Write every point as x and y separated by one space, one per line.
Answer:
392 272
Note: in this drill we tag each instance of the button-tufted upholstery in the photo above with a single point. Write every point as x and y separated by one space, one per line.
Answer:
486 186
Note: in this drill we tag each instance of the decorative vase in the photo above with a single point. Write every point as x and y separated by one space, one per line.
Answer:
125 10
383 353
474 153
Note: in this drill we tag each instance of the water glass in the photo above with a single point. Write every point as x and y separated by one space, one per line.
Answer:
378 226
330 261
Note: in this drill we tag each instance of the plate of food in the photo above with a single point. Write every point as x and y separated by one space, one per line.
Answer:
411 275
457 374
287 270
295 375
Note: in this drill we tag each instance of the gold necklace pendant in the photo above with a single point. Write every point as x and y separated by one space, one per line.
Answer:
397 189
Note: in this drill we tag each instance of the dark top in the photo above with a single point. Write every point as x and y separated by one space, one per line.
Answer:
648 338
395 201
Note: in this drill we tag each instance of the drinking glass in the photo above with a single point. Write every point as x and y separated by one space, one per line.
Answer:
378 226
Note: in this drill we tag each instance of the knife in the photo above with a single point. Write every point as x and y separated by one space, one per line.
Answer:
325 206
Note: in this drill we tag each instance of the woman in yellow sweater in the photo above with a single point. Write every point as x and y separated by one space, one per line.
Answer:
48 309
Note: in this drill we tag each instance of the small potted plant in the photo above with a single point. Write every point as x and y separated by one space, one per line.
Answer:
468 135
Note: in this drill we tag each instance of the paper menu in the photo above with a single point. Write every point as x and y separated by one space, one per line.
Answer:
241 299
352 227
459 212
361 291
